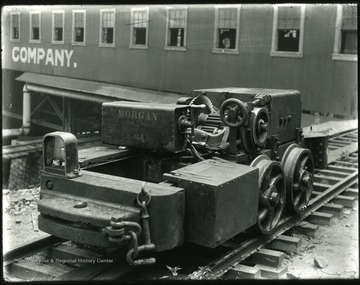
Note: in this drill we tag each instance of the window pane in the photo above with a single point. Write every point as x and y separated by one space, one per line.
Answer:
15 21
58 34
79 20
108 20
288 40
289 18
139 36
58 20
177 19
227 18
35 33
79 35
227 38
108 34
35 20
176 37
15 26
349 42
349 17
140 19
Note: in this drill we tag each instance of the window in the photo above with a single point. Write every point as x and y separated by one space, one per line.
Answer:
288 30
139 27
176 29
15 26
58 27
79 23
107 28
35 26
226 34
345 46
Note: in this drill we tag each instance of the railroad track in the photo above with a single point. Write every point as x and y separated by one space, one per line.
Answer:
338 184
335 187
55 259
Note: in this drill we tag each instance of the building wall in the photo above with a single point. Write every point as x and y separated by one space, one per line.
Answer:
327 85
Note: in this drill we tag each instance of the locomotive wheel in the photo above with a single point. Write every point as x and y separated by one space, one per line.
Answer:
233 112
272 194
299 174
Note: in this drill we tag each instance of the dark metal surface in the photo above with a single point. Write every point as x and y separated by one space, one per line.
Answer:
110 196
145 126
221 199
318 145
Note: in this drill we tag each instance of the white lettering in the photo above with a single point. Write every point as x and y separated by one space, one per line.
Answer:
31 55
49 57
23 54
40 55
55 57
59 56
68 57
15 54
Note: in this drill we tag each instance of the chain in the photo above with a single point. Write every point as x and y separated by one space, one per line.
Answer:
116 232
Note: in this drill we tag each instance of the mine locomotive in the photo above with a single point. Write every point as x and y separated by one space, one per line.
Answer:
202 170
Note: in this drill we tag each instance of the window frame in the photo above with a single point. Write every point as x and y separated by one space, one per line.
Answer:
11 26
139 46
73 42
274 43
216 28
167 33
55 42
101 44
337 40
31 26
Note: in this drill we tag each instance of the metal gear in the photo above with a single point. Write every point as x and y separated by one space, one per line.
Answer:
203 99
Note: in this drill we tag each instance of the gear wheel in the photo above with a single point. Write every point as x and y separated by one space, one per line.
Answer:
202 99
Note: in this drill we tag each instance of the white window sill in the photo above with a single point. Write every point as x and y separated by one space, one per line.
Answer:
225 51
35 41
344 57
57 42
14 40
78 44
286 54
107 45
170 48
138 46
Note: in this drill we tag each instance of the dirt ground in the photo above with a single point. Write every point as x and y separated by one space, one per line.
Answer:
335 248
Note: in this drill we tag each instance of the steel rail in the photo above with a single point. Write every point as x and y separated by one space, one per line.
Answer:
30 248
219 266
